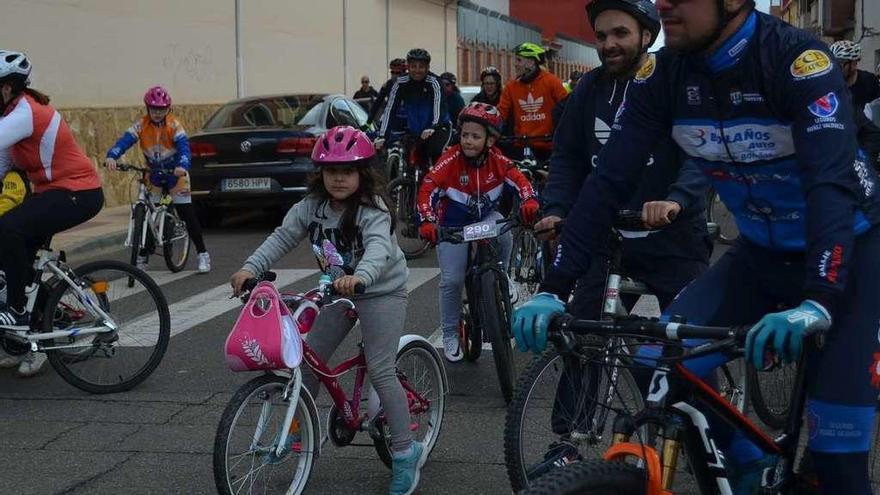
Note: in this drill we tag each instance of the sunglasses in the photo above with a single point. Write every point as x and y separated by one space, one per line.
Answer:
365 81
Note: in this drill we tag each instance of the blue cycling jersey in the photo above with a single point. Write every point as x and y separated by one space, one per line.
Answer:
768 121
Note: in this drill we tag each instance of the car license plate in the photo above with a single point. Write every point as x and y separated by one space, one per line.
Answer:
480 230
246 184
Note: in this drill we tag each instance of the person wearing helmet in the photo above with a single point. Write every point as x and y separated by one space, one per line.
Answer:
762 113
454 101
573 80
419 97
527 102
67 189
166 148
397 67
665 261
465 186
863 86
345 218
490 87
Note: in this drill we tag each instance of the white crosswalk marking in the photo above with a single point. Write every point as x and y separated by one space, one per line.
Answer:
198 309
213 302
119 289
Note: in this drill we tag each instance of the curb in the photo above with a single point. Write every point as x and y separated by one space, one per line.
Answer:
99 243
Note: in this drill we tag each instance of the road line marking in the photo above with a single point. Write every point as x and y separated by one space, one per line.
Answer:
198 309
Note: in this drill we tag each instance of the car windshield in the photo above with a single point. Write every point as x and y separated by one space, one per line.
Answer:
278 111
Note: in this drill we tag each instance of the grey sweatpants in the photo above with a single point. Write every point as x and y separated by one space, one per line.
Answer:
453 259
381 319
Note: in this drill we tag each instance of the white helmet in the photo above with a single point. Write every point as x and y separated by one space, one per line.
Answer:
14 65
846 50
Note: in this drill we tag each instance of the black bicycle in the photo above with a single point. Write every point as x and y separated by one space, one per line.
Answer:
487 308
408 170
673 416
562 404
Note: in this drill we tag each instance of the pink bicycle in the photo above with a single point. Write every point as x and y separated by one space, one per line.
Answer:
269 435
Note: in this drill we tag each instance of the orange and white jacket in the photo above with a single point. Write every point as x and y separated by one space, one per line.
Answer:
529 106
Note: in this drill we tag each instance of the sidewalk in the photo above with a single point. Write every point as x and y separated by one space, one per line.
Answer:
107 229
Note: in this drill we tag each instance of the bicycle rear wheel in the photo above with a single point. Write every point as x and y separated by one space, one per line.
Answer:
402 192
112 361
175 241
564 408
494 318
420 371
245 445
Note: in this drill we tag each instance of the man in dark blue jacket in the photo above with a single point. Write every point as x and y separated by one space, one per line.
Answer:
666 261
762 111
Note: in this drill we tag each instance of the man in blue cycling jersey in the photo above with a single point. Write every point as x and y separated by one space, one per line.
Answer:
416 103
762 111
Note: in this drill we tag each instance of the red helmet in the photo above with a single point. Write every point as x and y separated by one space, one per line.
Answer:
157 96
482 113
342 145
398 65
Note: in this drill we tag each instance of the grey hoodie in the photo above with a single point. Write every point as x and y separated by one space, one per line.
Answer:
374 256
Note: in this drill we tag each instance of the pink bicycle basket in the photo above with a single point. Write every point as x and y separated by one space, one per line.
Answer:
265 336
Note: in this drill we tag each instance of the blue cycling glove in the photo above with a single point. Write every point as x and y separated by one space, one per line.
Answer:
785 332
530 321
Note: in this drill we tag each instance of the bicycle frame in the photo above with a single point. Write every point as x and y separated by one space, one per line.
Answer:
154 218
48 260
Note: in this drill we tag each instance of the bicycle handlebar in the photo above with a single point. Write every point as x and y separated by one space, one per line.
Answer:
270 276
513 139
127 167
453 234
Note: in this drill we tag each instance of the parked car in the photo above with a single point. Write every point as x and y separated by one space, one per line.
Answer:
255 151
468 93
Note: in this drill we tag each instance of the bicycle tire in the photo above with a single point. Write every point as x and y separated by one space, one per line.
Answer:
494 318
594 477
470 337
392 167
67 364
775 414
534 383
524 268
402 193
174 232
139 215
308 427
434 419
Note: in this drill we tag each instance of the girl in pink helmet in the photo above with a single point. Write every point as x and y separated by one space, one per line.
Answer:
346 219
165 146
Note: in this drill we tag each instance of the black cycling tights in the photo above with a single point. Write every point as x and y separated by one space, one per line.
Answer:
25 228
187 213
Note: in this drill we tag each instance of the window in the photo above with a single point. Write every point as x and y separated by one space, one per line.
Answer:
284 111
340 114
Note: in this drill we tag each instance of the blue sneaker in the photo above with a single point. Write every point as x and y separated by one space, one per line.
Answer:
405 470
746 479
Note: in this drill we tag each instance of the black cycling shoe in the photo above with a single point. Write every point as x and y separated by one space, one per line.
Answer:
10 317
559 454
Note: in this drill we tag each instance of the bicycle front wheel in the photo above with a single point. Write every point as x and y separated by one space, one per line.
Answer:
524 268
402 193
113 360
770 393
175 241
138 217
594 477
563 410
420 371
246 458
494 307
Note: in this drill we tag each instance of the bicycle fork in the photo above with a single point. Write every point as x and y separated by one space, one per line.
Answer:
291 395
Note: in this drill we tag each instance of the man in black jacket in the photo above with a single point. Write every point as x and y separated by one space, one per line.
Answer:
665 261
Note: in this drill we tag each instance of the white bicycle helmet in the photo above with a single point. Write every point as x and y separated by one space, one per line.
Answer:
846 50
14 65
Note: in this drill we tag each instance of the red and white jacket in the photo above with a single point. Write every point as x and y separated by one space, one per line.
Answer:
37 140
456 194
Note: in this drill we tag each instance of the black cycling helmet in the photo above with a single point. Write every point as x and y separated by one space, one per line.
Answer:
643 10
418 54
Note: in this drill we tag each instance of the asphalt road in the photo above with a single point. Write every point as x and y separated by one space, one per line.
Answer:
158 438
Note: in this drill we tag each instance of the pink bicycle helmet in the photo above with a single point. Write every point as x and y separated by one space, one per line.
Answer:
158 97
342 144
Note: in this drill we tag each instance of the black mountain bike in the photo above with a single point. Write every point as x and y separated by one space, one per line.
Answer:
637 463
487 308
